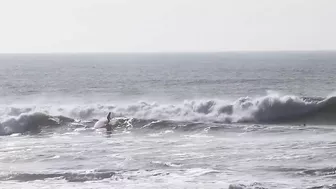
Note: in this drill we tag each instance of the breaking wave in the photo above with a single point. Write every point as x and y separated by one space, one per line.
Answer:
269 109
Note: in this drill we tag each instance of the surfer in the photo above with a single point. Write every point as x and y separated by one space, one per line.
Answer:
108 125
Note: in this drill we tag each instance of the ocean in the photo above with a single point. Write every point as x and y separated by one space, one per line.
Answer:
235 120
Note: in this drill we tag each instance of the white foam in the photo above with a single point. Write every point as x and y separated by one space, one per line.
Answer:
261 109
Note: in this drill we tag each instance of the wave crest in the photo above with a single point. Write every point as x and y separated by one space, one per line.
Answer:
272 108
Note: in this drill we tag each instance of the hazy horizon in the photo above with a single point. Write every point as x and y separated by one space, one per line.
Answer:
174 52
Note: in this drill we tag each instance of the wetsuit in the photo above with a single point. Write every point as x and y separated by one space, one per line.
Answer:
108 125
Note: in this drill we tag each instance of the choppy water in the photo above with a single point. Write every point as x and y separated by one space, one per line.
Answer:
221 120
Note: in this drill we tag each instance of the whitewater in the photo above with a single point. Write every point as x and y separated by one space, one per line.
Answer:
206 120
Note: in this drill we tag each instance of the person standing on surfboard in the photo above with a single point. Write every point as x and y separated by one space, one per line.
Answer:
108 125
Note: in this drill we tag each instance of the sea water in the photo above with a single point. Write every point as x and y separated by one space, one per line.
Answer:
186 120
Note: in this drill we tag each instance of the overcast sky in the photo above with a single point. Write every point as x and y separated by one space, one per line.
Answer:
166 25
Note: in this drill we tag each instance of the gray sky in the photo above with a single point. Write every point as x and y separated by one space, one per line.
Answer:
166 25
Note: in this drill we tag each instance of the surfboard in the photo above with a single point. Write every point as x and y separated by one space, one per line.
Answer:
100 124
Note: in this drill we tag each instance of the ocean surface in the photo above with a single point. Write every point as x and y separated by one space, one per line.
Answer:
208 120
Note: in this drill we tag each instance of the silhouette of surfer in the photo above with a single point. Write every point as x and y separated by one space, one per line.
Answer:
108 125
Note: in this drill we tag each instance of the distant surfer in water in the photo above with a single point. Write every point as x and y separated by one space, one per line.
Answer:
108 125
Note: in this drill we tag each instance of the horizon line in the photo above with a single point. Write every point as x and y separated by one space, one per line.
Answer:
169 52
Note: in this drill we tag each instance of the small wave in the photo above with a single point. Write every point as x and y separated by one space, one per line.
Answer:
255 185
326 171
332 186
165 164
70 177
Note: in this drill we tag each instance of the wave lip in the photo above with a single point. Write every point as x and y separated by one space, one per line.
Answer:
31 122
267 110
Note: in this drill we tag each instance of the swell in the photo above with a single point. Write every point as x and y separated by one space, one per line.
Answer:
70 177
324 171
270 109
